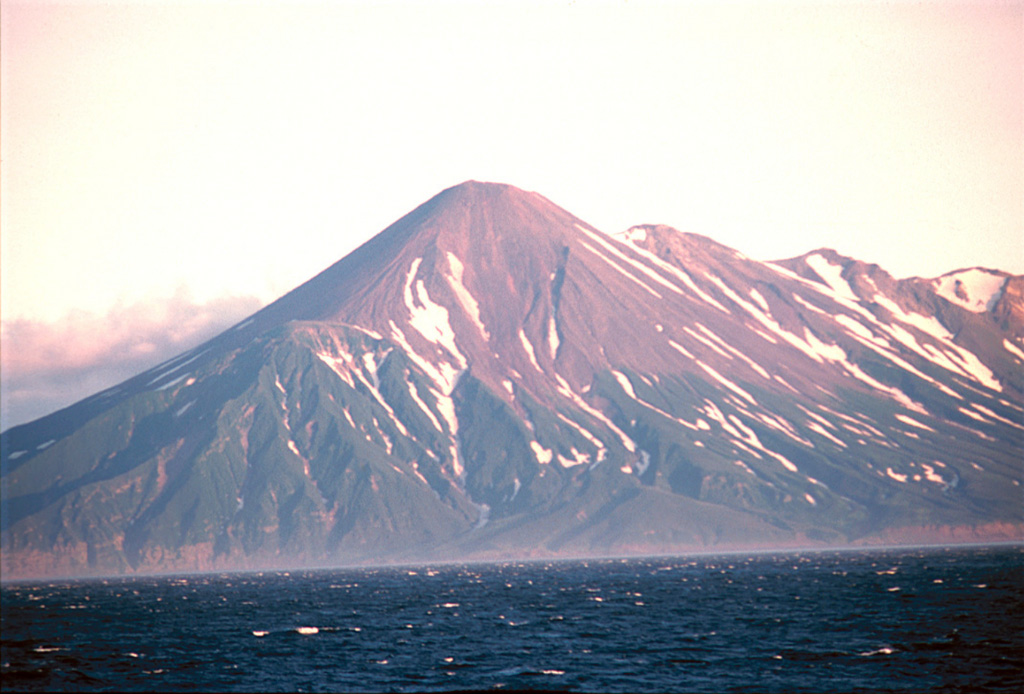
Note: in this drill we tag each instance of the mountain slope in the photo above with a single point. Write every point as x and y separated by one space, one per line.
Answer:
491 376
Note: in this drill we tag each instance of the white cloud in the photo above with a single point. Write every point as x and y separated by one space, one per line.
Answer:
45 366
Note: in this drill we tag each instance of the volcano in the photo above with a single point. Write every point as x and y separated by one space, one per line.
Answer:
491 377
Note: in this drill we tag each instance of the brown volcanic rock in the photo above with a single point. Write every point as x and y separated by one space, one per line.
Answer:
1009 309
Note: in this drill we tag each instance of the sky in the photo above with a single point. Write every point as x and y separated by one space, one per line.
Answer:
168 167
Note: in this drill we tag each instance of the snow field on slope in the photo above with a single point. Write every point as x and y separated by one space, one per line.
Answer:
463 295
732 351
1013 349
969 364
816 349
644 270
726 382
553 341
832 275
743 434
678 274
621 270
602 450
543 455
429 319
627 388
565 389
528 348
981 287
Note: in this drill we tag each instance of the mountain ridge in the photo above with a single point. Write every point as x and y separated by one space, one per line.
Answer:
492 376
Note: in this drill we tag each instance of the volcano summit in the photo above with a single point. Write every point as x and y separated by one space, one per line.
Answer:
491 377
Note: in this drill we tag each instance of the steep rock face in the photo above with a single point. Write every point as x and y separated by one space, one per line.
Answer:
490 376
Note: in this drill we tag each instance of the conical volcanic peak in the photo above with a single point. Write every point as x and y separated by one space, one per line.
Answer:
491 376
493 212
484 224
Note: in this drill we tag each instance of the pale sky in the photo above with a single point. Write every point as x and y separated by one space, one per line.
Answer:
215 152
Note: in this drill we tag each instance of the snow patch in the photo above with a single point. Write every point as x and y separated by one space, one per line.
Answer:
809 345
756 296
635 235
528 347
566 390
428 318
854 326
414 393
577 458
895 393
374 388
627 388
726 382
782 425
621 269
1013 349
931 475
624 382
646 271
348 417
818 429
913 422
544 455
955 358
895 475
832 276
986 411
445 377
553 341
366 331
807 304
730 349
336 365
744 434
927 324
744 467
468 302
879 345
681 349
976 290
443 374
681 276
692 333
596 442
174 382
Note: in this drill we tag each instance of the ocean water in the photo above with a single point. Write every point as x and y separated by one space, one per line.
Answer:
882 620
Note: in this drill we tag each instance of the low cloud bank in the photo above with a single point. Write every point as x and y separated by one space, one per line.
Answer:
46 366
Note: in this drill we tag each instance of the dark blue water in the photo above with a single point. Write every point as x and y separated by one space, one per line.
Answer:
911 620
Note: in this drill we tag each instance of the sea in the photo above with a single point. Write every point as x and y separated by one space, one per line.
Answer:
909 619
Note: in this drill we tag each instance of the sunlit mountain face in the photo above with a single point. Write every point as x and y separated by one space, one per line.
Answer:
492 377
